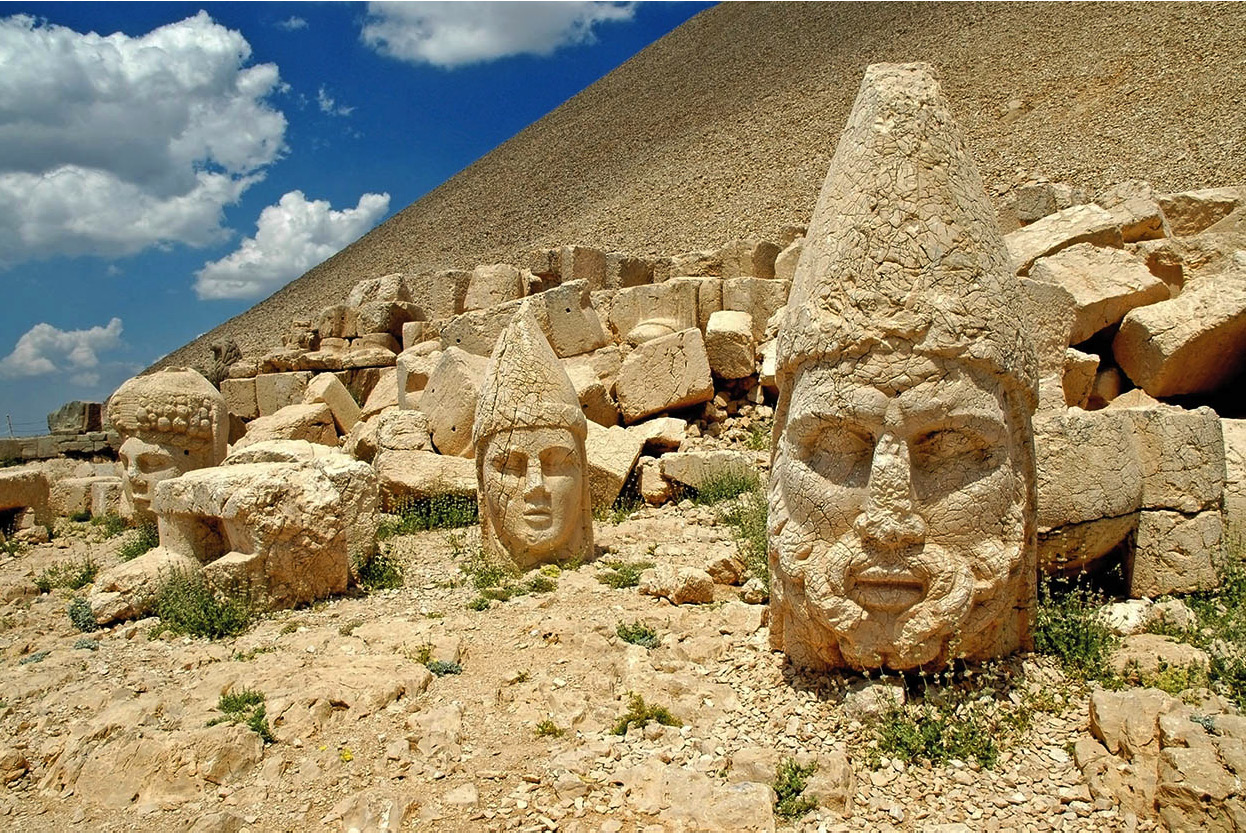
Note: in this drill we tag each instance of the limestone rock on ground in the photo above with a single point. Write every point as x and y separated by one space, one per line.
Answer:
328 389
1190 212
680 585
449 400
414 474
729 344
612 453
1055 232
665 373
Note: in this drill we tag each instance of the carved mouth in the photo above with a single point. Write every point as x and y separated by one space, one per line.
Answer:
538 516
888 590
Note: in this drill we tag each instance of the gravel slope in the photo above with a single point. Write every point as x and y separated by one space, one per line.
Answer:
725 128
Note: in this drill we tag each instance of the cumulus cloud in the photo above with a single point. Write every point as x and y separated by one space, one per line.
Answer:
292 23
44 349
291 237
449 35
111 144
328 105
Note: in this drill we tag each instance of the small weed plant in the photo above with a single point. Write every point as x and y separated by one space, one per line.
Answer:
35 657
110 525
725 486
80 516
87 643
441 668
747 516
186 604
69 575
1069 626
142 539
759 435
244 706
622 574
789 788
498 582
81 616
640 714
441 511
548 729
382 572
638 634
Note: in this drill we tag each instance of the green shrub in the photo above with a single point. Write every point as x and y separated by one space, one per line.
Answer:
1069 626
382 572
725 486
111 524
443 667
548 729
80 516
70 575
747 517
789 788
81 616
620 574
442 511
35 657
186 605
640 714
480 604
142 539
759 435
87 643
540 584
245 706
637 633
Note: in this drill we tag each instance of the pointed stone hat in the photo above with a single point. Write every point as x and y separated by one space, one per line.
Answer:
904 246
525 385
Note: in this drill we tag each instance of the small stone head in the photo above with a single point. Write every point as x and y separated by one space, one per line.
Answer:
531 466
902 488
170 422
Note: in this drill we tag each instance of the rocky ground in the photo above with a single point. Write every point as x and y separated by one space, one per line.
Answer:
109 730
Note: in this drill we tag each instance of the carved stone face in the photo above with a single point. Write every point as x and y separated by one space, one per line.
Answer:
533 486
898 513
145 464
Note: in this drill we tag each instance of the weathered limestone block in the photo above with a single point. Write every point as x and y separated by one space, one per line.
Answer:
643 313
24 491
531 464
1133 204
274 392
170 422
414 366
278 451
491 285
318 361
682 586
612 453
661 434
381 395
412 334
757 297
901 527
312 422
1106 387
654 488
1193 343
438 295
693 469
701 263
386 317
76 417
1079 376
67 496
405 475
766 376
583 263
1181 456
567 318
729 344
106 496
1235 477
1175 553
1105 284
751 258
363 355
239 397
668 372
376 340
339 321
1036 200
124 591
286 532
1191 212
449 400
709 297
595 400
624 270
785 262
406 431
1051 234
329 390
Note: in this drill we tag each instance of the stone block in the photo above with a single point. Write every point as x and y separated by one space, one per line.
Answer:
1035 200
413 369
623 270
274 392
1191 212
758 297
439 295
1235 477
240 398
665 373
694 469
381 395
1079 376
700 263
661 434
414 475
449 400
1105 285
491 285
391 287
568 319
76 417
313 423
639 314
412 334
365 355
340 321
612 453
328 389
106 496
594 394
1181 456
403 431
583 263
477 331
750 258
729 344
1175 553
785 262
1065 228
376 340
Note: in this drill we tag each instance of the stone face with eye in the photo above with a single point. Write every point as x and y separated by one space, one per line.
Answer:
899 513
533 487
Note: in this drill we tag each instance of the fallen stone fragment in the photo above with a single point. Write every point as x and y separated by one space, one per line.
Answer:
679 585
312 422
1105 284
1065 228
665 373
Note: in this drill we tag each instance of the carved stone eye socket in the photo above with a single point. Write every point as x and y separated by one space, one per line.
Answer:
836 450
514 464
558 460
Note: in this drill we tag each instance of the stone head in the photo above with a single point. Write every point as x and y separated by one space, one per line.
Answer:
902 527
531 467
170 422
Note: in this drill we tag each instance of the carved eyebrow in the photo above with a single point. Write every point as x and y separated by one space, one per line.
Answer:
804 424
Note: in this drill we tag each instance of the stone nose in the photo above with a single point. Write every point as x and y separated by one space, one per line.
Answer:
534 478
889 518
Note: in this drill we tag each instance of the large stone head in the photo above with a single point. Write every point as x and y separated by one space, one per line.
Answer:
902 529
531 468
170 422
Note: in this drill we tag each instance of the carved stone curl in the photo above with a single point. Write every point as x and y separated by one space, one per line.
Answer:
902 495
170 422
531 467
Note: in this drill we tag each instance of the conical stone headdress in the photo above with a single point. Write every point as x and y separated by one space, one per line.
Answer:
525 385
904 246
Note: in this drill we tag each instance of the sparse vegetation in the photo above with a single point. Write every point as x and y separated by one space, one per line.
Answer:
69 575
382 572
1068 625
548 729
348 628
747 516
497 581
640 714
759 435
81 616
87 643
251 654
637 633
479 604
35 657
80 516
111 524
622 574
441 511
725 486
245 706
142 539
12 547
186 605
443 667
789 788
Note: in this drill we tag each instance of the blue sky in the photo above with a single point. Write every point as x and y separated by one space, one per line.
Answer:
163 166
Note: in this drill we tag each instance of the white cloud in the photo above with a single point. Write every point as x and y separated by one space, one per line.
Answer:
291 237
41 347
328 105
111 144
85 379
449 35
292 23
